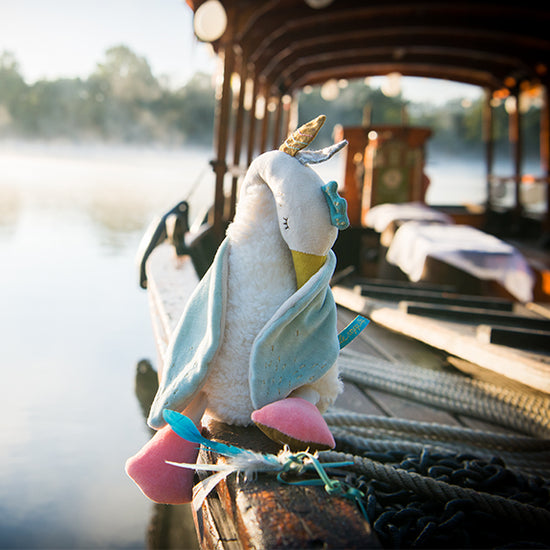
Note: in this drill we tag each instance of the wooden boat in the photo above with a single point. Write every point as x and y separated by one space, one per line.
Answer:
431 375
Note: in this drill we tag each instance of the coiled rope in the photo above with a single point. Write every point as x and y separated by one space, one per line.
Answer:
522 463
449 465
454 393
430 431
442 491
527 455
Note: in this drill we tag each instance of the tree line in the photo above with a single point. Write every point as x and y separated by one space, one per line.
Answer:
122 101
456 124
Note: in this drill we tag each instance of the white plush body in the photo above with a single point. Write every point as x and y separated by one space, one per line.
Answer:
260 278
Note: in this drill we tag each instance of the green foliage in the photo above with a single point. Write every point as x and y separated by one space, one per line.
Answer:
123 101
120 101
353 103
456 125
127 76
190 111
12 89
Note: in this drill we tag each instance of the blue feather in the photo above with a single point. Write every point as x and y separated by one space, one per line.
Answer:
183 426
186 429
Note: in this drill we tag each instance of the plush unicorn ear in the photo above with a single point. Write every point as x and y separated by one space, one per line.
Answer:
303 136
314 157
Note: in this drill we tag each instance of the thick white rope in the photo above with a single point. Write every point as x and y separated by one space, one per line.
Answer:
454 393
525 454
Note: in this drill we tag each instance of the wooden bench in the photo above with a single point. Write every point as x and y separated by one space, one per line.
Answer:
460 340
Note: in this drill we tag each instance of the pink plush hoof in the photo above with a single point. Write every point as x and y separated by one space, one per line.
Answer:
296 422
161 482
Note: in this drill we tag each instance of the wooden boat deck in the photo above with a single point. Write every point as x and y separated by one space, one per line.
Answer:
251 514
462 340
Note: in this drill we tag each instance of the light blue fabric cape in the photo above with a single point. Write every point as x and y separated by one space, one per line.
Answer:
295 347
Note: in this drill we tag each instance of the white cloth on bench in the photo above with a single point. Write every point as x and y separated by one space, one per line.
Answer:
475 252
380 216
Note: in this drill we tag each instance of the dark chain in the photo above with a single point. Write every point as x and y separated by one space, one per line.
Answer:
404 520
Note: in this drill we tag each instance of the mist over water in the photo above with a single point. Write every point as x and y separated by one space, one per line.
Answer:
73 325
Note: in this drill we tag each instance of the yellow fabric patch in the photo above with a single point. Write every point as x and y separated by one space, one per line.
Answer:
306 265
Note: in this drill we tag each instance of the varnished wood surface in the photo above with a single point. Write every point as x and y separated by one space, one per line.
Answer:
262 513
377 341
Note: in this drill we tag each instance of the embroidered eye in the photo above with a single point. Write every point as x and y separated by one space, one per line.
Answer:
285 223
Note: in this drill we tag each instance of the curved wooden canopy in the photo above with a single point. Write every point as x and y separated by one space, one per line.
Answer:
286 44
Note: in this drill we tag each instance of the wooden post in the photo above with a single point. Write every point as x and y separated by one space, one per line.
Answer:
221 136
265 122
293 115
516 143
488 137
287 107
239 118
277 123
252 121
367 115
545 154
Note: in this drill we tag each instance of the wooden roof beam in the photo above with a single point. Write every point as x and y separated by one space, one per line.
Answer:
277 34
399 43
314 76
412 56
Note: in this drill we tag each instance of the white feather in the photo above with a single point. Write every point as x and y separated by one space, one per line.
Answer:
202 489
246 461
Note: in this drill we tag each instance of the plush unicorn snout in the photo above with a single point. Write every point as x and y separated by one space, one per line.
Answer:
306 265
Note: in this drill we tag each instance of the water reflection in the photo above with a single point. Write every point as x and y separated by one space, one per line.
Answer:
72 322
10 207
117 190
117 216
146 386
170 526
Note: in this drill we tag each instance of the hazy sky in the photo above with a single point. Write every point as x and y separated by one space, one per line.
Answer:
67 38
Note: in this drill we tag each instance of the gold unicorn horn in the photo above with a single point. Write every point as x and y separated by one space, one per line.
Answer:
303 136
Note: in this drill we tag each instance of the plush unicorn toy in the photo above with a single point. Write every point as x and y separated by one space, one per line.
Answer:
257 341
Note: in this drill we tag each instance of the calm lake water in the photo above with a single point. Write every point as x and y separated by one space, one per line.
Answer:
74 324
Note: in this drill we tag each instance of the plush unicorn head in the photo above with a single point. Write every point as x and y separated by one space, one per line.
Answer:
257 340
304 204
309 213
